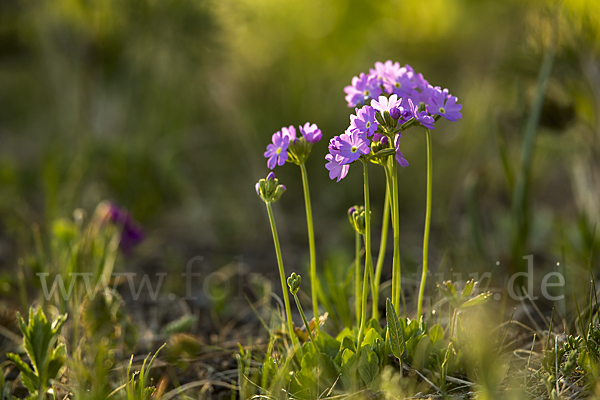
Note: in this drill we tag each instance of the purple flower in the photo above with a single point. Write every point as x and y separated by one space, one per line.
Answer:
399 157
290 132
350 146
364 120
336 169
385 104
419 81
386 72
277 151
131 231
402 82
363 88
311 132
422 117
442 103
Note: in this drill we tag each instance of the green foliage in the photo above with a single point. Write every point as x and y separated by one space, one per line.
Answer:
576 362
336 366
47 355
103 317
180 325
137 383
464 300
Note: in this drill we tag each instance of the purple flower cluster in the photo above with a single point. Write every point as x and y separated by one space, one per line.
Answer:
403 82
277 151
388 100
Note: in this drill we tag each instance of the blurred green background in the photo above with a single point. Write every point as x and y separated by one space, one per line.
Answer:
166 106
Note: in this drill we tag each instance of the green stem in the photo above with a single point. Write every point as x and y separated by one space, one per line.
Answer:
427 223
312 339
357 278
396 267
368 260
286 298
382 248
314 280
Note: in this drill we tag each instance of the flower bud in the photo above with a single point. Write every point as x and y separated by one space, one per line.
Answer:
395 113
389 122
381 151
356 215
269 188
379 119
299 150
294 282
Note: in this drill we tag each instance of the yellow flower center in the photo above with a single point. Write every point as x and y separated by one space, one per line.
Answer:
442 110
278 150
354 149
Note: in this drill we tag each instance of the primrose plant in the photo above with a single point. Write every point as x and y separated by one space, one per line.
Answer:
387 102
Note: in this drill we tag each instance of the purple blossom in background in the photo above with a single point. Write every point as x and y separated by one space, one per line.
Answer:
399 157
350 146
442 103
336 170
364 120
277 151
363 87
422 117
131 231
311 132
385 104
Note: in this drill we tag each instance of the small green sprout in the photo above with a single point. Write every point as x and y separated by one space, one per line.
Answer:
40 340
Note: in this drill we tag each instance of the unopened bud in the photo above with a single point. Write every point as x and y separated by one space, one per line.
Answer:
269 188
294 282
356 215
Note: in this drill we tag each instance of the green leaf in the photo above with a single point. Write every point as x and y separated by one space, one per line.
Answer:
374 323
57 360
29 378
345 332
347 368
395 331
436 333
269 371
327 344
180 325
469 286
421 353
368 366
476 301
370 337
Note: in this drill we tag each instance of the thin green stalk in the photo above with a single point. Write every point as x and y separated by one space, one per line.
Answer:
312 339
368 260
357 278
396 268
382 248
286 298
427 224
314 280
